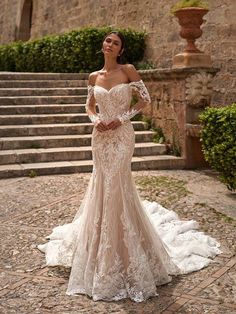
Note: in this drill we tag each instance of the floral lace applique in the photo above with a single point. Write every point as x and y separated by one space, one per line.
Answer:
140 88
93 117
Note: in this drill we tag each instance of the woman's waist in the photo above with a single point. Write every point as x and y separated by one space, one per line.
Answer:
106 116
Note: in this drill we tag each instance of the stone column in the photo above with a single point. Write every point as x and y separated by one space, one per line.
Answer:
178 97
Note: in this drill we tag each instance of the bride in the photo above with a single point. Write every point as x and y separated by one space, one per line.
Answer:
119 246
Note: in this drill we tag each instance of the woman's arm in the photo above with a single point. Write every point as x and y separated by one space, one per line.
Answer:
90 105
139 89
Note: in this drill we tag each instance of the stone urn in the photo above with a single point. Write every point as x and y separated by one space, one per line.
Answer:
190 20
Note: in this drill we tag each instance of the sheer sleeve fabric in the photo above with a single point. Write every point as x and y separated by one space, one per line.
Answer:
141 89
93 116
144 98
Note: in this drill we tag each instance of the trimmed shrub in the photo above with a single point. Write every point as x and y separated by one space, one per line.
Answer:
75 51
218 137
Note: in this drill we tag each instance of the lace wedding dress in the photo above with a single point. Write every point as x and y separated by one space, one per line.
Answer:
119 246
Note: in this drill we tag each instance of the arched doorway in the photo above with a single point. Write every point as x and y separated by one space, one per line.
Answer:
24 29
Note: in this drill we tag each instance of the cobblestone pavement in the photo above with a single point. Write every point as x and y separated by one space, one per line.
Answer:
31 207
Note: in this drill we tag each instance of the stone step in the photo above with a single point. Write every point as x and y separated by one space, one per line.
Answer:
42 109
42 83
41 100
58 91
157 162
63 167
44 128
69 153
43 118
55 129
7 143
42 76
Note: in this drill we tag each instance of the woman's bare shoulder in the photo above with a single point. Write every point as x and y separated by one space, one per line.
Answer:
92 77
131 72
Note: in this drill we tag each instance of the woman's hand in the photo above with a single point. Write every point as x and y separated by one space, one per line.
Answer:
101 126
114 124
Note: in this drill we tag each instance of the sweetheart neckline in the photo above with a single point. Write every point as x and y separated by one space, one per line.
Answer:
108 90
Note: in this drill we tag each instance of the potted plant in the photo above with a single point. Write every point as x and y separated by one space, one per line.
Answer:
190 16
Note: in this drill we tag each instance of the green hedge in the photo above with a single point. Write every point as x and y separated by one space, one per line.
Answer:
218 137
75 51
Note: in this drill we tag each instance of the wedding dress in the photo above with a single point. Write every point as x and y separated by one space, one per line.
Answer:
119 246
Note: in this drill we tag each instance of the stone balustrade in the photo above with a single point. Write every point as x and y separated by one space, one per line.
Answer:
178 97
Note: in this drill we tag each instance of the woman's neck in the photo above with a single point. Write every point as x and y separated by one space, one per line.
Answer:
110 65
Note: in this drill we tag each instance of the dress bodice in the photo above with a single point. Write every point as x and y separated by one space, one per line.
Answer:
114 101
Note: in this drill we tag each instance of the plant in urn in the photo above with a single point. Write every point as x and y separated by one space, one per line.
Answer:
190 17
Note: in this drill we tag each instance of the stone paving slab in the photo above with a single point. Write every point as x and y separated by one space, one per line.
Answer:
223 289
19 195
38 295
184 284
8 279
62 212
204 306
31 207
19 252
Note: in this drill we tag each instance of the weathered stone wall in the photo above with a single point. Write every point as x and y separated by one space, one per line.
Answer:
178 97
163 41
8 13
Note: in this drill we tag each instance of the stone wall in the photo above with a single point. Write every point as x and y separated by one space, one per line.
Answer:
163 41
178 97
8 13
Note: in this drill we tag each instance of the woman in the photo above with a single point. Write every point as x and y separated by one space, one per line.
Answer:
117 245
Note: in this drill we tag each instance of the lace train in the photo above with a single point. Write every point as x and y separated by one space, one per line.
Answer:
128 268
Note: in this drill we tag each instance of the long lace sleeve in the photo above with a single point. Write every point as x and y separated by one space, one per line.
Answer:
144 99
90 107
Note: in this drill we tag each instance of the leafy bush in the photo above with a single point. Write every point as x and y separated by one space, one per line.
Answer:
158 136
75 51
218 137
189 3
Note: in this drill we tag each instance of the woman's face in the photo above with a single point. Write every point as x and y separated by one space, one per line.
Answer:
112 45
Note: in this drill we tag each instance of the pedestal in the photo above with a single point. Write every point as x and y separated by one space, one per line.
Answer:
190 60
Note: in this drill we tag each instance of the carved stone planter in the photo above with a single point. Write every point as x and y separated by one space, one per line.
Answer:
190 20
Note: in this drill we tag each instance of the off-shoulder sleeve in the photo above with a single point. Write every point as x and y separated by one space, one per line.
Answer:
94 117
90 94
141 89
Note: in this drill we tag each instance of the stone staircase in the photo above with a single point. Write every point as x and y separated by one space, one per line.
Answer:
44 128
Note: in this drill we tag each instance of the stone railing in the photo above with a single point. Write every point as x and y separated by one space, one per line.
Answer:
178 97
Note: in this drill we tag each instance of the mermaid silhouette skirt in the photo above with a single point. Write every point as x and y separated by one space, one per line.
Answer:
119 246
